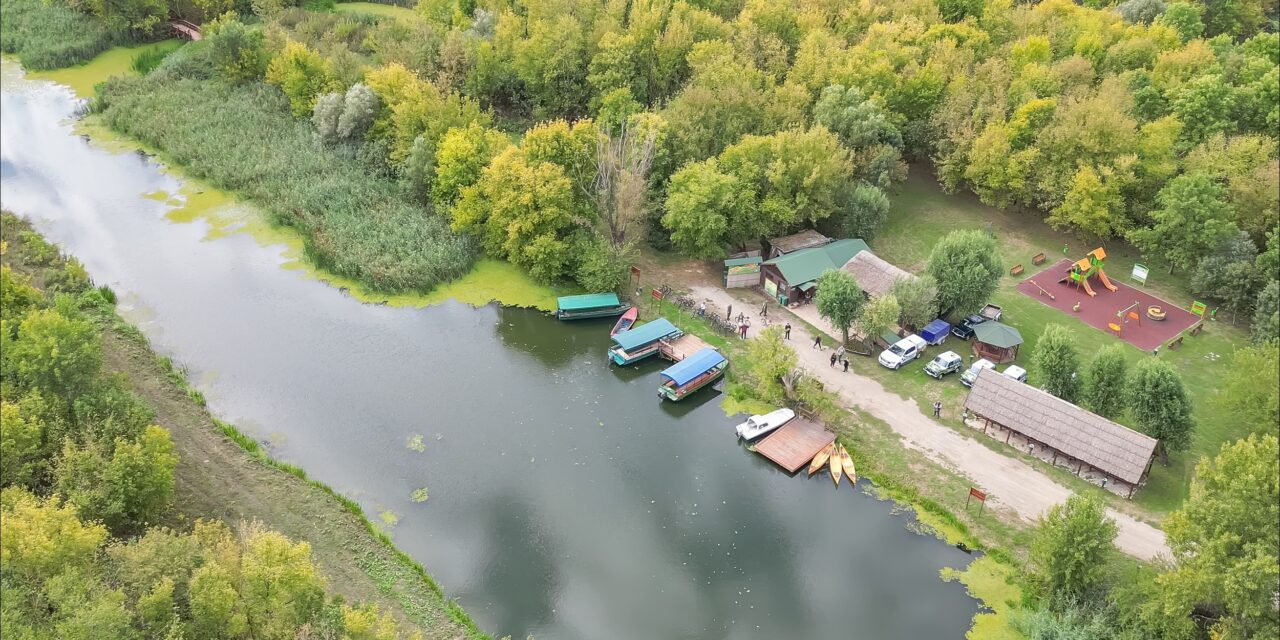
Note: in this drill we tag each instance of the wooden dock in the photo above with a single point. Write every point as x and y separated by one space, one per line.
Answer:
682 347
795 444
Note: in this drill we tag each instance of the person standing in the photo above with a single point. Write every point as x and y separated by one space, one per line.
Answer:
786 332
937 408
764 310
702 309
846 365
833 359
817 343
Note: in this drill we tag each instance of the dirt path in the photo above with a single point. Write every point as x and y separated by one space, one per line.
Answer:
1010 482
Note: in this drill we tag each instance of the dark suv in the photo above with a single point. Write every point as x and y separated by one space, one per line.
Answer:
964 328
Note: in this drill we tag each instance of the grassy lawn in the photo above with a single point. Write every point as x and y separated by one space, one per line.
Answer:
922 213
377 9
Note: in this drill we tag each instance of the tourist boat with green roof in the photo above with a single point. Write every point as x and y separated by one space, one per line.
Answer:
591 305
640 342
694 372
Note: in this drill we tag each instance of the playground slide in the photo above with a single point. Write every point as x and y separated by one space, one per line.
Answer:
1106 282
1087 289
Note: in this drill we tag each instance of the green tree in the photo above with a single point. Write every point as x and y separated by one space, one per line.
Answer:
840 300
1249 395
216 610
56 354
1191 221
236 51
1094 204
1070 548
126 488
770 361
279 586
42 538
1185 18
21 446
701 202
878 316
1224 542
17 297
1204 105
302 74
917 299
523 212
460 161
1056 362
1159 405
862 211
866 130
1266 314
966 267
599 265
1104 391
1229 275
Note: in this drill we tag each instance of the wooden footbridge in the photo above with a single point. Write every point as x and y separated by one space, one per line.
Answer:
185 29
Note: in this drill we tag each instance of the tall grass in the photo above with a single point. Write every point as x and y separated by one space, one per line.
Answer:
51 36
242 138
151 57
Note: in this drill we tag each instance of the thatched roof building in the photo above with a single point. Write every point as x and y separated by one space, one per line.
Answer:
1090 439
874 274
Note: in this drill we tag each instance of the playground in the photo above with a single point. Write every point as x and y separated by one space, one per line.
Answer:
1106 304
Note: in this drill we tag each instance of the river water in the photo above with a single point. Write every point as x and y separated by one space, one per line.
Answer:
565 500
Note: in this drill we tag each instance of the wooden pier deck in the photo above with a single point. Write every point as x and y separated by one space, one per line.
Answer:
682 347
795 444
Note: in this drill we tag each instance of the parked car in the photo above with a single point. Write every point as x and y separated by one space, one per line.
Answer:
964 328
974 369
944 363
992 312
903 351
1016 372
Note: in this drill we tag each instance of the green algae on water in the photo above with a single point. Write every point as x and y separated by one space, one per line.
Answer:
990 582
116 61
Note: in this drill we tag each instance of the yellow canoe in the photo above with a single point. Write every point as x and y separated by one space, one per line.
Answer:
835 467
821 458
846 461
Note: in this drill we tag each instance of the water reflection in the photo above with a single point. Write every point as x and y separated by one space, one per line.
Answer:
567 500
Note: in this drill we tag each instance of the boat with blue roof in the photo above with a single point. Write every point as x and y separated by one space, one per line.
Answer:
591 305
694 372
640 342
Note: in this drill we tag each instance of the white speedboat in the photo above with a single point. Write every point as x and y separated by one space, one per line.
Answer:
757 426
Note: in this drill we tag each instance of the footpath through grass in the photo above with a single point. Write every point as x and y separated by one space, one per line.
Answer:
922 214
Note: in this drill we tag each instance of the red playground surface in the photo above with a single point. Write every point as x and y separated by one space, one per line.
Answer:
1100 310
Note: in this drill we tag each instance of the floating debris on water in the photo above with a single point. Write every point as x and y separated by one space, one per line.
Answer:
415 443
419 495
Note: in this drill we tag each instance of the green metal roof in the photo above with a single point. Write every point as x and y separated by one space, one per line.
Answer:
588 301
645 334
738 262
807 264
997 334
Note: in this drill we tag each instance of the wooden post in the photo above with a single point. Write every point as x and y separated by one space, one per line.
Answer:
1008 434
1055 456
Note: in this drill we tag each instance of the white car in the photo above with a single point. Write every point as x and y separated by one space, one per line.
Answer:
971 374
1016 372
903 351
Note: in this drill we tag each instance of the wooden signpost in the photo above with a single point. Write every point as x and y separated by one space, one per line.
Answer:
982 498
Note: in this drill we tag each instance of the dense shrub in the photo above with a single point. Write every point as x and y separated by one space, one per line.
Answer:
51 36
355 224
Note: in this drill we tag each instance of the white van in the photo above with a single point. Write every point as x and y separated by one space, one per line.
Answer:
903 351
1015 372
971 374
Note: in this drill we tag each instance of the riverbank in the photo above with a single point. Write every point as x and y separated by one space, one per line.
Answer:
222 474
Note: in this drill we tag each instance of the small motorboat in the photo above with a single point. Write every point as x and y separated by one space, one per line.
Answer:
757 426
846 461
836 466
625 322
821 458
